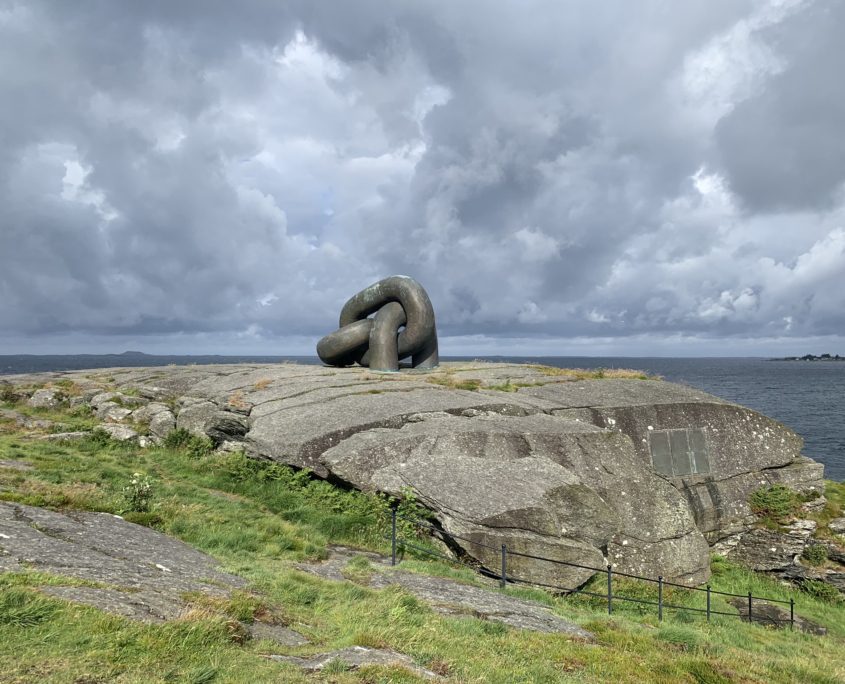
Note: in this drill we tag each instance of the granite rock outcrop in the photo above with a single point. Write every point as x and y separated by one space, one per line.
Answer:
640 473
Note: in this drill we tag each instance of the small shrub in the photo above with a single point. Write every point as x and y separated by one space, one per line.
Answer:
99 438
138 494
815 554
409 511
81 411
821 590
776 503
193 445
8 393
237 466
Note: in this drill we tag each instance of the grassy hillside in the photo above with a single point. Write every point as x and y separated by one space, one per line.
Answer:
258 519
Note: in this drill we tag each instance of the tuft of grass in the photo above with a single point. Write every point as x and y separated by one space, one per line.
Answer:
336 666
834 508
24 608
684 637
29 577
205 674
69 387
243 606
238 401
506 386
471 384
595 374
358 569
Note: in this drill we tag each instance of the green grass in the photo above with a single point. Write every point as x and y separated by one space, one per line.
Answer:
260 518
447 380
594 374
834 508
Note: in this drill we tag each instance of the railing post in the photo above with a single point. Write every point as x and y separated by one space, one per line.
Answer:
791 613
393 536
749 608
504 577
609 589
708 603
660 598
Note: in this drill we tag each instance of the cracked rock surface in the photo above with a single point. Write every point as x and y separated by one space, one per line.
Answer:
548 464
144 573
354 657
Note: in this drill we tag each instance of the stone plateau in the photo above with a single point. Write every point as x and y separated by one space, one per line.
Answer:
549 464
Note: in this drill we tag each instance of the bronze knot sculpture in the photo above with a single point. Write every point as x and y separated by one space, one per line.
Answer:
381 342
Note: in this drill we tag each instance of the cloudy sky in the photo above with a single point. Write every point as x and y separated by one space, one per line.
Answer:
564 177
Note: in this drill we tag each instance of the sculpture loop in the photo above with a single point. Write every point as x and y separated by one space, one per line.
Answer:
403 326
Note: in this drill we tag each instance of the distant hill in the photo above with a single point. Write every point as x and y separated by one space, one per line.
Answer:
812 357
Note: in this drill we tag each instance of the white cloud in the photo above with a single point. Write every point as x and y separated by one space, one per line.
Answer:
548 174
537 245
733 64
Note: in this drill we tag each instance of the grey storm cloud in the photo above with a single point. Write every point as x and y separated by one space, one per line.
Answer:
226 171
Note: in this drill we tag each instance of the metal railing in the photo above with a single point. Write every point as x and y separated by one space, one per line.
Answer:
505 578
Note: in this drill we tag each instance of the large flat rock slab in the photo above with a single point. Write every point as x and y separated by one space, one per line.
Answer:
143 573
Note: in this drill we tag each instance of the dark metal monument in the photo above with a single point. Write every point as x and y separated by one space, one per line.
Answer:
403 326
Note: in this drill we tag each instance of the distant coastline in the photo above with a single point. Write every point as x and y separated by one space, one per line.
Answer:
812 357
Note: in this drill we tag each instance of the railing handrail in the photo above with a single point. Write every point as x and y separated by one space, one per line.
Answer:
610 596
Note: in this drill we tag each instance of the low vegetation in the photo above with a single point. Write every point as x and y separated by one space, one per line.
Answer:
259 518
595 373
451 379
834 508
775 505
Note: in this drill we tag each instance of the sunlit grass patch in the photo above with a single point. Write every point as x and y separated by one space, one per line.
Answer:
451 382
594 374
